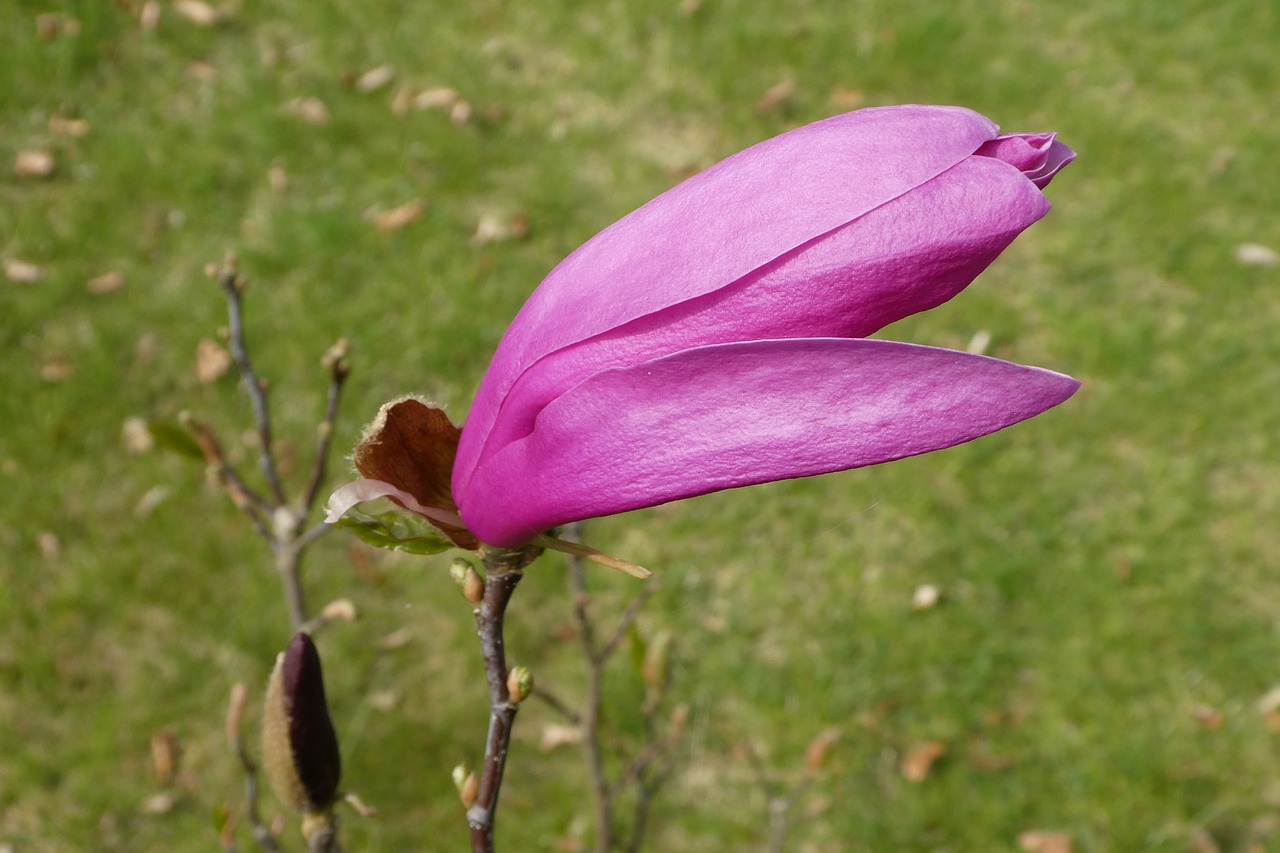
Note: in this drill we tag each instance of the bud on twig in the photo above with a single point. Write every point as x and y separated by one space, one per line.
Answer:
519 684
468 580
299 746
468 785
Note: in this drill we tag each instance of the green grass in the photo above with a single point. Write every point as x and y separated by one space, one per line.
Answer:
1105 569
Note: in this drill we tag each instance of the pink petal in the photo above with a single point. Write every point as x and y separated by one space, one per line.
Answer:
346 497
731 415
909 255
1039 156
719 226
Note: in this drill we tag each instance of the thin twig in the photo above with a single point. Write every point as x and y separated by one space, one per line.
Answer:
336 362
261 832
233 286
289 553
628 618
324 841
503 571
590 717
779 799
246 499
558 705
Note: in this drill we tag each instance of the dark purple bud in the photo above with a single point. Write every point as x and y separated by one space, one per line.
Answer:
300 748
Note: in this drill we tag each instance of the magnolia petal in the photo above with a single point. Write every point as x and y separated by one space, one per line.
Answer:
732 415
721 224
909 255
1039 156
348 496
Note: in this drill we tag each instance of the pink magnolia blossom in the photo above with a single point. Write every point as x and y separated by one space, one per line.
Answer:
716 336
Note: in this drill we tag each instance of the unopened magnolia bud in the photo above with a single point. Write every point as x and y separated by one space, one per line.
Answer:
299 746
468 580
519 684
459 775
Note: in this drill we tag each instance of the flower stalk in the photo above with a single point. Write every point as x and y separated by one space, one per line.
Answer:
503 571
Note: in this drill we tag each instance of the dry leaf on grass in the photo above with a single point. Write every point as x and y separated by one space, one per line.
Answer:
384 700
212 361
164 756
1208 716
1203 842
48 544
816 753
397 639
52 25
277 179
845 100
108 282
555 735
436 98
1040 841
398 217
158 804
22 271
925 597
149 17
68 126
135 436
918 762
57 367
197 12
150 499
775 97
310 110
375 78
1257 255
34 163
493 228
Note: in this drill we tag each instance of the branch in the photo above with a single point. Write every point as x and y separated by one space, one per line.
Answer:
503 571
590 718
232 285
245 499
235 711
335 361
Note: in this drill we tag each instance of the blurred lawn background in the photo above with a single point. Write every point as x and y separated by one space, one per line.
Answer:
1110 589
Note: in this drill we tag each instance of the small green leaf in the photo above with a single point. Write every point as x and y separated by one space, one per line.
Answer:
396 532
171 436
638 649
220 814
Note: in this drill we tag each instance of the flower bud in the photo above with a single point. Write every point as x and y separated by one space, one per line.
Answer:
468 580
299 745
519 684
470 790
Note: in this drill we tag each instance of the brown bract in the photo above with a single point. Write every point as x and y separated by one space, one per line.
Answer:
412 445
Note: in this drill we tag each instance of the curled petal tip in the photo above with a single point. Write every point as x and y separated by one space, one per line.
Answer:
1039 156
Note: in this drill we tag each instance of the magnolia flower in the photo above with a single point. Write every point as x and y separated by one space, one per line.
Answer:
716 337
